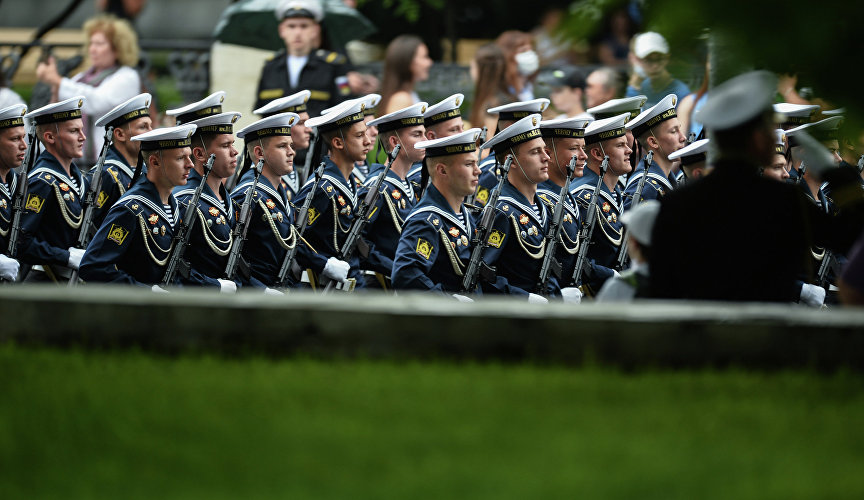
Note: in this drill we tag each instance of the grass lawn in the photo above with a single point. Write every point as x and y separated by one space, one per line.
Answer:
131 425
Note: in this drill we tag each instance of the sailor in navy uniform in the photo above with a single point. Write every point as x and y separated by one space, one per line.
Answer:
129 119
362 168
322 72
633 106
656 130
508 114
215 216
300 133
517 241
606 137
565 138
442 119
825 132
434 247
331 212
271 233
396 196
693 159
795 115
13 147
53 210
134 243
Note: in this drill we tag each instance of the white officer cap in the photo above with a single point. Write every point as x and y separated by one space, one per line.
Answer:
222 123
463 142
13 116
294 103
692 153
405 117
738 100
340 116
519 110
166 138
795 114
444 110
780 141
57 112
522 131
615 107
210 105
565 127
640 220
300 8
835 112
607 128
279 124
648 43
651 117
823 130
124 113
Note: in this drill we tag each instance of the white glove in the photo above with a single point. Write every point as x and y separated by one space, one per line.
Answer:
571 295
533 298
8 268
812 295
616 274
158 289
462 298
336 269
271 291
227 286
75 255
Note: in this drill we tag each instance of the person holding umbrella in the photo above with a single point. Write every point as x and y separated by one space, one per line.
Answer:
300 66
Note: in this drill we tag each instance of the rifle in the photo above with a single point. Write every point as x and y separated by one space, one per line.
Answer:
588 225
238 235
637 196
860 164
20 196
301 220
184 230
307 162
829 263
554 232
361 215
85 232
481 234
802 169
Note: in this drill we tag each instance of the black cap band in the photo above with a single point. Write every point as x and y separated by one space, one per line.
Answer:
60 116
128 117
605 135
342 122
411 121
691 159
216 129
454 149
640 129
166 144
563 132
442 117
12 122
514 115
517 139
198 113
267 132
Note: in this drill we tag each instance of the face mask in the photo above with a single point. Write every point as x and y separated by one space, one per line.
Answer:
639 70
527 62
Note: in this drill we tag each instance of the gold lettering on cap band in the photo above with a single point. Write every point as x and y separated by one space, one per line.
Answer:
59 116
563 132
451 150
12 122
219 129
443 116
268 132
166 144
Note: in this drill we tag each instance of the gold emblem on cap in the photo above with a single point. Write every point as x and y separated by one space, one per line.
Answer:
423 109
458 103
80 102
189 134
674 100
534 121
147 103
783 137
305 98
362 106
291 121
221 98
234 118
23 111
476 135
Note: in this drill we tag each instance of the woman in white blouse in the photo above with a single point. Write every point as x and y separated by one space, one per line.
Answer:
112 49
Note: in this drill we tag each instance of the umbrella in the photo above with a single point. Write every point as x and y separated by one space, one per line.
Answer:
253 23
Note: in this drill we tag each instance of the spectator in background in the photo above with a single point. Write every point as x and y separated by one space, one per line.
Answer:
614 47
522 63
602 85
405 63
488 70
8 97
553 48
652 55
566 90
692 103
112 48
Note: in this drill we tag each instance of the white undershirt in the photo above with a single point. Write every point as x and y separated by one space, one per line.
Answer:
295 66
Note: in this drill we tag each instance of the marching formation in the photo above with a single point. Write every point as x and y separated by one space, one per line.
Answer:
561 209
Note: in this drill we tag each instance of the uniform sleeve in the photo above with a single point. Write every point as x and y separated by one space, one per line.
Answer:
124 84
113 239
31 249
306 255
417 251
